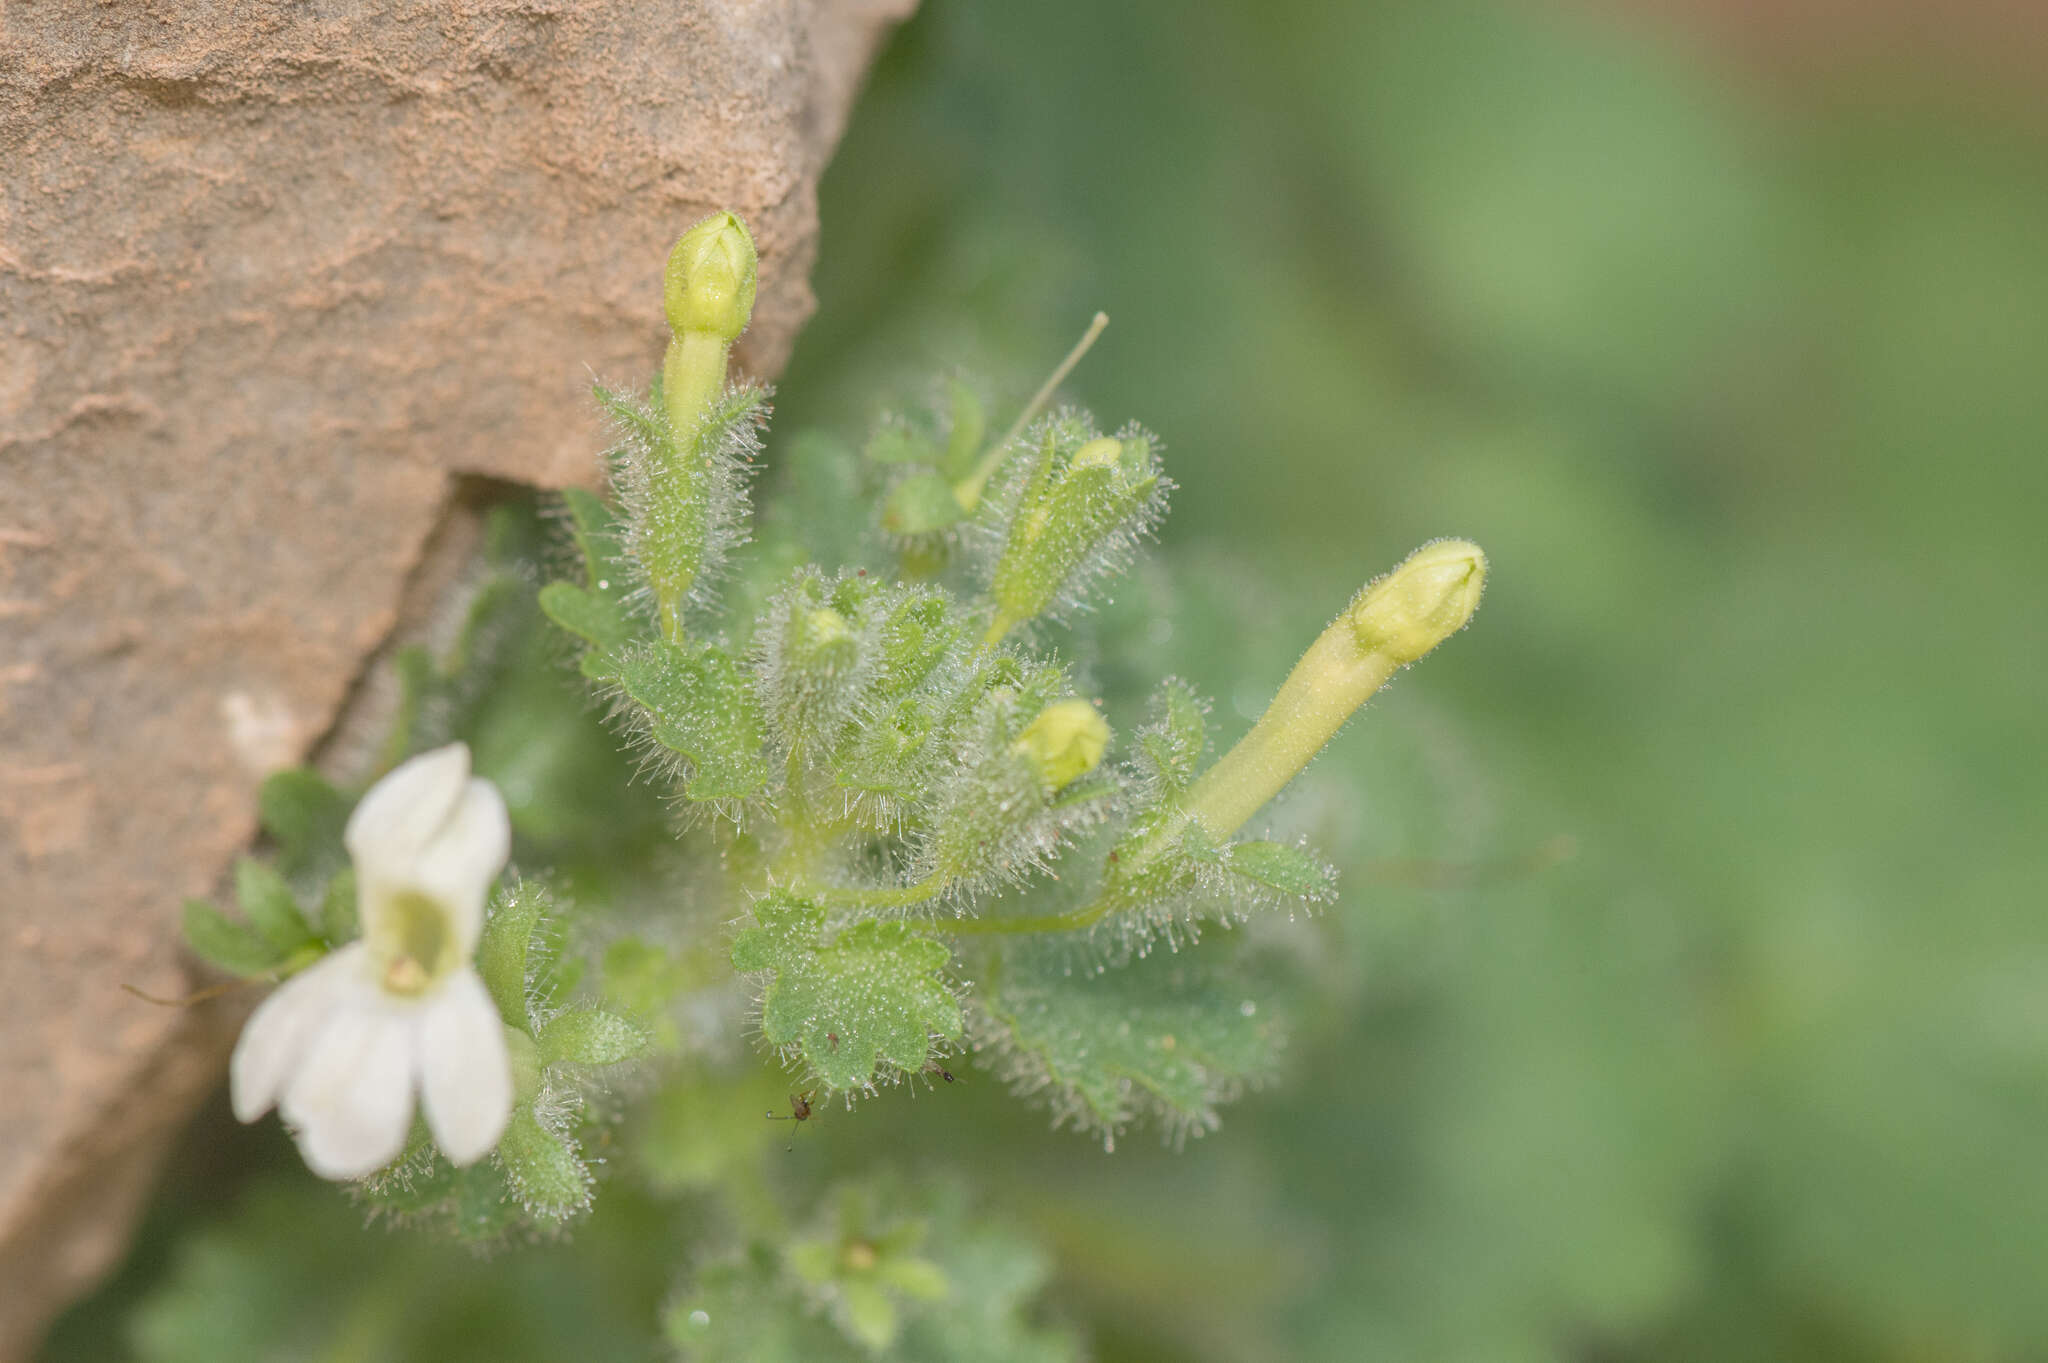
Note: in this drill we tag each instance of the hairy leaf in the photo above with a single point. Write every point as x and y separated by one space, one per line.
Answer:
591 1036
869 998
597 611
1290 872
1169 746
1170 1035
697 704
545 1172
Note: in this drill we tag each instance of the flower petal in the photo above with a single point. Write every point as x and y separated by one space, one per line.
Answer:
459 866
351 1100
278 1033
404 812
465 1074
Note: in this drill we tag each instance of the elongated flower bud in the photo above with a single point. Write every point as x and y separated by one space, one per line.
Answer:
709 283
1394 621
1065 741
708 293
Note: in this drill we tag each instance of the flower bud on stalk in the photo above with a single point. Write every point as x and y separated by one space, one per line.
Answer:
1391 623
708 292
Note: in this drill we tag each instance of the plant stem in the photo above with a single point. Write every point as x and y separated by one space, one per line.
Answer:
887 897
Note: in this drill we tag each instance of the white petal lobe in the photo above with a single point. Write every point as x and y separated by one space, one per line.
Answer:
282 1029
459 866
465 1073
351 1100
405 811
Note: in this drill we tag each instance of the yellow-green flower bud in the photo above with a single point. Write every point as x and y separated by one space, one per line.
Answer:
1390 624
1423 602
1065 741
709 284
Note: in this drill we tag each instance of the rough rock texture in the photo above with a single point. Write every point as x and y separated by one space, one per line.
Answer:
271 277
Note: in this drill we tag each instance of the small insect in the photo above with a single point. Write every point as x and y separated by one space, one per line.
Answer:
934 1067
799 1111
833 1037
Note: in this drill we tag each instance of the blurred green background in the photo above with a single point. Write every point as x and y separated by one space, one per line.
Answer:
1692 992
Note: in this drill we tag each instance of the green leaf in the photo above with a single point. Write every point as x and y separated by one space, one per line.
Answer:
546 1174
595 612
1291 872
596 532
870 998
591 1036
698 703
504 949
233 946
338 908
305 815
267 902
1169 746
600 621
1169 1035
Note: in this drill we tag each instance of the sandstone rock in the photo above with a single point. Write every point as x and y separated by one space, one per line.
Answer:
271 278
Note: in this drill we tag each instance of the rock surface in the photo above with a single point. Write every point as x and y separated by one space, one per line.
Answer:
268 286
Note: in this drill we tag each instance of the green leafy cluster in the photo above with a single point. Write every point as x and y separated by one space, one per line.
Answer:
876 816
889 770
278 933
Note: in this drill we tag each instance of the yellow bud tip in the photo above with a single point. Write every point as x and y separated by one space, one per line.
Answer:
1423 602
709 284
1065 741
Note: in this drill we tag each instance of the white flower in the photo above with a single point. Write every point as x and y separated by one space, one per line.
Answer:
341 1047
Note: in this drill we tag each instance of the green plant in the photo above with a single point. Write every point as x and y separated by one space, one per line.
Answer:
898 829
